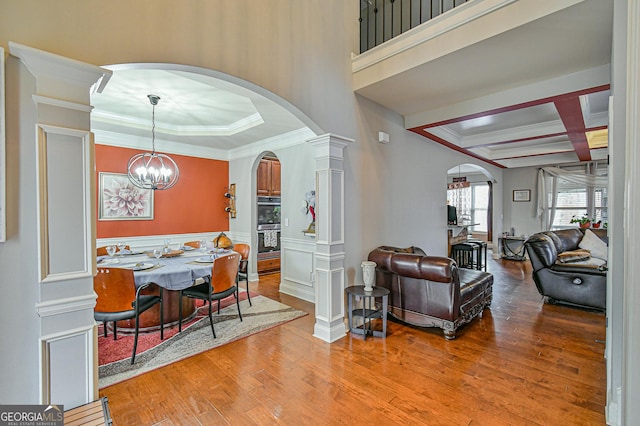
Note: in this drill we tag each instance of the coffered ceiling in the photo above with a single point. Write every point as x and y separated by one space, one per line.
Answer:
200 112
529 91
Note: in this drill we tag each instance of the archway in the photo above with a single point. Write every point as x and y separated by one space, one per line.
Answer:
470 199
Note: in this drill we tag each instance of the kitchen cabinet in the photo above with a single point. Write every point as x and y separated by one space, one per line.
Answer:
269 178
266 266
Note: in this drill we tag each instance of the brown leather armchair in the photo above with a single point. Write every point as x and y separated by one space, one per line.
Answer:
431 291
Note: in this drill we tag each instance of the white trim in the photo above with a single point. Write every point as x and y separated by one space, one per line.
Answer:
143 143
241 125
45 361
285 140
3 159
86 140
629 408
45 66
66 305
46 100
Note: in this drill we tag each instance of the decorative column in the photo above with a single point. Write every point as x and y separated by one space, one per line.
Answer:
329 257
58 262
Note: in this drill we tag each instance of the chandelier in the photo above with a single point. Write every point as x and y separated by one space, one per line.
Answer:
151 170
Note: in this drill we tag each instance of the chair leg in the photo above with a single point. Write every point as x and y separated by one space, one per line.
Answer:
115 331
218 306
104 324
238 303
162 315
135 339
211 319
248 294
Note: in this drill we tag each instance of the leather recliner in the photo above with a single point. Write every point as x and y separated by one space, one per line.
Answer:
573 283
431 291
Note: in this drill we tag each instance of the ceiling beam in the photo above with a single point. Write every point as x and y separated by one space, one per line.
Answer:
571 115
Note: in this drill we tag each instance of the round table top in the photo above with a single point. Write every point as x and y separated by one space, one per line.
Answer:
359 290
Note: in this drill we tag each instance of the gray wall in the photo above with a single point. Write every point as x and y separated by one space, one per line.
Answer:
520 215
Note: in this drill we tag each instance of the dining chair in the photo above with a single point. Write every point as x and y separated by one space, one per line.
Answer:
102 251
243 267
221 284
118 299
194 244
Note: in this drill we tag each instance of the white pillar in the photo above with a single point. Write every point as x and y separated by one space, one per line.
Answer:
60 178
329 257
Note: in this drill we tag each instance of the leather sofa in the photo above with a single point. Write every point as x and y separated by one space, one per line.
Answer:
579 283
430 291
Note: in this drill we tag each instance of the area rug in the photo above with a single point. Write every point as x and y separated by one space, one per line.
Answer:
264 314
110 350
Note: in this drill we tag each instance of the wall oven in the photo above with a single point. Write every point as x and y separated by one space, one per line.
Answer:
268 227
268 211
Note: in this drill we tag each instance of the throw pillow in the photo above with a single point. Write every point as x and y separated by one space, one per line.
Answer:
574 256
595 245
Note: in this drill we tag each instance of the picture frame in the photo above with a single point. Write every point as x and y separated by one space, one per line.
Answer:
119 199
521 195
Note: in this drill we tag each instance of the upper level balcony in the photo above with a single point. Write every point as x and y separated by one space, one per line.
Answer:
381 20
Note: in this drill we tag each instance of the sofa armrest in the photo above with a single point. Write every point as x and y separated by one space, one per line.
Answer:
431 268
542 251
572 268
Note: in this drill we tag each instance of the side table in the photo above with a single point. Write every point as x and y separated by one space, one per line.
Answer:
368 310
512 248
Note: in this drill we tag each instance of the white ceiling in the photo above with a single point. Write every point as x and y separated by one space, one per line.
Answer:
554 57
526 96
197 108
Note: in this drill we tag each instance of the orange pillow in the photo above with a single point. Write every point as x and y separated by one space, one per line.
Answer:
574 256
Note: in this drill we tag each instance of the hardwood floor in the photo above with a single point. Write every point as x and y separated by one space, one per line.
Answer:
522 363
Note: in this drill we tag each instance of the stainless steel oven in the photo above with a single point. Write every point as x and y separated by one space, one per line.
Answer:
268 211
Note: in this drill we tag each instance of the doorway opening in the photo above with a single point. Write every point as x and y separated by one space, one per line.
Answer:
268 217
469 204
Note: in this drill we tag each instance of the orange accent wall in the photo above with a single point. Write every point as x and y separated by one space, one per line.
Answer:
195 204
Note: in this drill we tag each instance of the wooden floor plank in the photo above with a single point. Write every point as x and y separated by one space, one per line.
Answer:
523 363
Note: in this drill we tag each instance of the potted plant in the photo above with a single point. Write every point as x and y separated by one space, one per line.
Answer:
583 222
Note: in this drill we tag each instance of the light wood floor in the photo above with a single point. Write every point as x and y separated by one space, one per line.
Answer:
523 363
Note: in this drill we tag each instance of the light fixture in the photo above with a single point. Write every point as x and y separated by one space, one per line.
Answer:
150 170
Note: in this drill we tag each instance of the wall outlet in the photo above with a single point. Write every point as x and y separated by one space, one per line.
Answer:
286 221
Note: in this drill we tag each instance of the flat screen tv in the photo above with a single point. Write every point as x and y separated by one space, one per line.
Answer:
452 215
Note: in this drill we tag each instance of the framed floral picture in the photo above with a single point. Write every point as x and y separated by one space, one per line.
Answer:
119 199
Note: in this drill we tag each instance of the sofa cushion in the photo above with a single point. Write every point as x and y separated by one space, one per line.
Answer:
574 256
595 245
473 283
567 239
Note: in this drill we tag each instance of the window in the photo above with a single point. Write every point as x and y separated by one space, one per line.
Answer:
480 206
576 198
472 204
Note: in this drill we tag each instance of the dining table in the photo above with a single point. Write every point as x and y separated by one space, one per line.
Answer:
176 270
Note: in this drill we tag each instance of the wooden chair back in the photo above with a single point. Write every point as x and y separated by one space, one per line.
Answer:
224 272
102 251
243 250
116 289
194 244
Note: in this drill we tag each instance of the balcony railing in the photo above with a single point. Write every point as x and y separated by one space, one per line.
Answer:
381 20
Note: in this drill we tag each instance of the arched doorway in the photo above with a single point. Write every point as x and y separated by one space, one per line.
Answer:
470 200
268 213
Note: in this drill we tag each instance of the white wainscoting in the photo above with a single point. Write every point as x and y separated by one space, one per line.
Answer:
66 370
296 268
150 242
